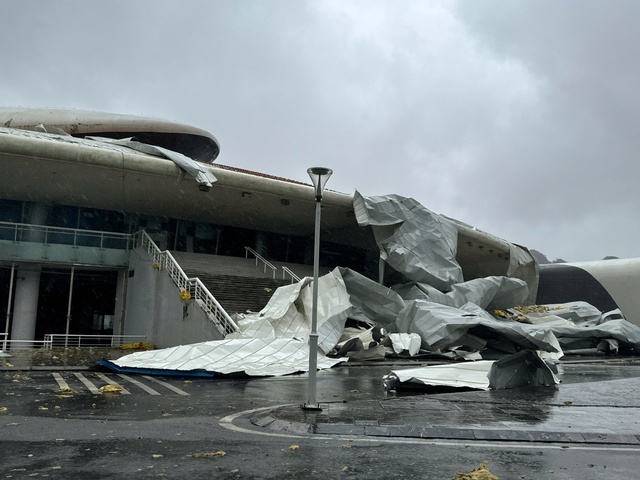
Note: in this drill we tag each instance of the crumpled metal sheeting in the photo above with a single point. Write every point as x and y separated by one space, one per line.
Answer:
255 357
524 368
379 303
288 313
489 293
415 241
333 308
462 375
193 168
625 332
405 343
521 369
579 312
523 265
442 327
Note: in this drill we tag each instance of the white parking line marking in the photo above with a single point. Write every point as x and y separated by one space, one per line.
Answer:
166 385
92 388
124 391
61 383
147 389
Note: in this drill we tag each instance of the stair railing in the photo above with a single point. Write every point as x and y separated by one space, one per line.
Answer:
194 286
286 271
265 262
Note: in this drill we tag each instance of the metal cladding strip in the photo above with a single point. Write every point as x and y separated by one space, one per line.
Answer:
563 283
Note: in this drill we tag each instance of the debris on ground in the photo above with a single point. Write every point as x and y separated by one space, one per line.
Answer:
480 473
219 453
111 389
137 346
433 311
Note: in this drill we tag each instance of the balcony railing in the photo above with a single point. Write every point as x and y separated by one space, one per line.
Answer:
23 232
62 340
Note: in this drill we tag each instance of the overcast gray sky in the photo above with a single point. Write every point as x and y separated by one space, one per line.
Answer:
520 118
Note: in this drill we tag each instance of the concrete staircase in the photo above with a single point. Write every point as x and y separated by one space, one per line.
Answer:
237 283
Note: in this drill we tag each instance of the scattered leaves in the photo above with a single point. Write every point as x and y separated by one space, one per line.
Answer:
219 453
111 389
480 473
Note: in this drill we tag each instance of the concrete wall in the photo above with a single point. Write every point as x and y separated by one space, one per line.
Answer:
154 308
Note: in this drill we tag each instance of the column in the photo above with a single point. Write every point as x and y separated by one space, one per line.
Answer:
25 306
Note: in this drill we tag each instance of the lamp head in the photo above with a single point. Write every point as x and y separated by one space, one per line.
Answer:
319 177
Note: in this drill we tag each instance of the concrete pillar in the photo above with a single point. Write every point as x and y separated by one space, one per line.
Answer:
25 305
121 297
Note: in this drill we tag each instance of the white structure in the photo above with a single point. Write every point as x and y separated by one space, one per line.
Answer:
73 205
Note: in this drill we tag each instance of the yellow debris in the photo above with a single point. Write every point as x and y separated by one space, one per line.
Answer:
65 390
293 448
537 308
111 389
480 473
219 453
3 409
137 346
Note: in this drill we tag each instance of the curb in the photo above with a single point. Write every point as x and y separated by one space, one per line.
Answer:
372 429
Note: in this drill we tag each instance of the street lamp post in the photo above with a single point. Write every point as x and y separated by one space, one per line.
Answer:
319 177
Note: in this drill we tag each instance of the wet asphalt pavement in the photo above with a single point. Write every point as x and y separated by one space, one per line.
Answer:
587 427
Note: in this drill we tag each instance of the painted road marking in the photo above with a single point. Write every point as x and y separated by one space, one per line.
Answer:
61 383
124 391
147 389
166 385
92 388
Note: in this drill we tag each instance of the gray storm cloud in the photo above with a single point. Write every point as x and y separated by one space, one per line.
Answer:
520 121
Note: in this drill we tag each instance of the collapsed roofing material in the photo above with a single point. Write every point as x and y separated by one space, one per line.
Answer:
412 239
204 177
253 356
446 315
521 369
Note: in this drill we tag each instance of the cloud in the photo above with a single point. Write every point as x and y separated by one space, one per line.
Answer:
520 120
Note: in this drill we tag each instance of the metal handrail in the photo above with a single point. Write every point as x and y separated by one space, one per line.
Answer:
266 262
59 340
25 232
294 277
163 260
22 344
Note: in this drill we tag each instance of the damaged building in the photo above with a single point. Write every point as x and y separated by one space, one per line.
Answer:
126 227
